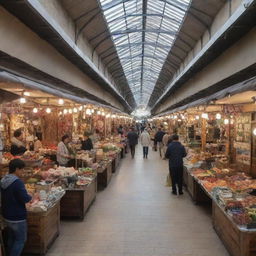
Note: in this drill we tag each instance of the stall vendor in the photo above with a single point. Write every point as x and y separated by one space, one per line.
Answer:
18 147
38 144
63 153
87 142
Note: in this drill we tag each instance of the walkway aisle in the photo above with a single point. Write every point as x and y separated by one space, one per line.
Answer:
137 216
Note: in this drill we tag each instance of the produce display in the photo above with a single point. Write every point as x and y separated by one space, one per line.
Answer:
44 200
232 191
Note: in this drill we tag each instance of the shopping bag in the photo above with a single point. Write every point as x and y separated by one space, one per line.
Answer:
168 181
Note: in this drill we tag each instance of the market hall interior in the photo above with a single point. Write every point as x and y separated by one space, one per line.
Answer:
137 215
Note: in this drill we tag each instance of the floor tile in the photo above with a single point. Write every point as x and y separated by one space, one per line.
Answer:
136 215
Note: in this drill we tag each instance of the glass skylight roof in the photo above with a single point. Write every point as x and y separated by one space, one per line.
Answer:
143 32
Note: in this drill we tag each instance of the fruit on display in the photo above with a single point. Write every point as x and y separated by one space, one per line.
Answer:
32 181
241 218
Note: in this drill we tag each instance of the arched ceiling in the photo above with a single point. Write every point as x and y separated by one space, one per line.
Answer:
143 32
142 42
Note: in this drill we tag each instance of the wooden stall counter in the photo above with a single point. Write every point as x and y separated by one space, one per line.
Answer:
195 190
104 175
76 202
116 162
43 229
238 241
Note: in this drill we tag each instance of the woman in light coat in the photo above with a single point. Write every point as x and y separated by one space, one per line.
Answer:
145 142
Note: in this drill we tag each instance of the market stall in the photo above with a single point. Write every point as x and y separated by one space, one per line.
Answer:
220 168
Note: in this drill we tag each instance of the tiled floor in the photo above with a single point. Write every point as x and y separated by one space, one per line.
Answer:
137 216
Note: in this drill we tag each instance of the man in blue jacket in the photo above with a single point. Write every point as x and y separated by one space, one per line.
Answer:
14 197
175 153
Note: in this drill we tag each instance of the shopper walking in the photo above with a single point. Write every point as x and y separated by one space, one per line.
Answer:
145 142
158 140
132 137
14 197
165 140
175 153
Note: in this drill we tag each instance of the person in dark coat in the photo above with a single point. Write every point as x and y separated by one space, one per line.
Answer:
17 146
175 153
132 137
159 140
87 142
14 196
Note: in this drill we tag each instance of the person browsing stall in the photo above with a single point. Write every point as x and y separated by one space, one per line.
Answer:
14 196
17 146
175 153
87 142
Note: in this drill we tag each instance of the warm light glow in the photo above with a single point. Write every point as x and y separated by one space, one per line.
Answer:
205 115
218 116
60 113
88 111
226 121
80 108
48 110
179 120
98 112
26 93
92 111
103 113
65 111
197 117
70 111
23 100
35 110
61 101
175 117
254 132
75 110
108 115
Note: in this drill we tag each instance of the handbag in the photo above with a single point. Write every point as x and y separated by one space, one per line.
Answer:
168 180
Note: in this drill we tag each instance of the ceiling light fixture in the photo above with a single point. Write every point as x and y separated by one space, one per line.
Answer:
23 100
48 110
26 94
61 101
35 110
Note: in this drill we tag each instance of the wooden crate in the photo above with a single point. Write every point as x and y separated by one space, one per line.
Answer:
238 242
104 176
76 202
43 229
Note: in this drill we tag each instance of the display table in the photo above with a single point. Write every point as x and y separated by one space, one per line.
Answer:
198 194
76 202
104 175
238 241
116 162
43 229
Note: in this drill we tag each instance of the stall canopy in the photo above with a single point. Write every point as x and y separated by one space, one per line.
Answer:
7 96
248 85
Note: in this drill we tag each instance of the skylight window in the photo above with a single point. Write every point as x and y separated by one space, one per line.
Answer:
143 33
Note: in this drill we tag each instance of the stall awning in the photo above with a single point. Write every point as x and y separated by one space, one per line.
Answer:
7 96
247 85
